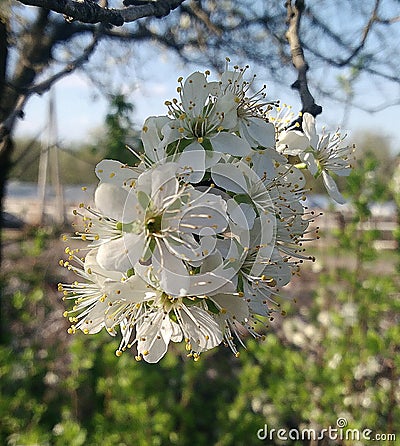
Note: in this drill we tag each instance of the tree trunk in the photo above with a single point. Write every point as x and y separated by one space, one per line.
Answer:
5 141
6 148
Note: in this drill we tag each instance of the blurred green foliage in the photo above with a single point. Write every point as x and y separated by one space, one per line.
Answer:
335 354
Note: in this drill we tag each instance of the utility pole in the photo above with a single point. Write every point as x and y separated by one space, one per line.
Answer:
49 153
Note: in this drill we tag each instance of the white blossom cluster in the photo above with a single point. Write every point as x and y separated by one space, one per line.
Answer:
194 242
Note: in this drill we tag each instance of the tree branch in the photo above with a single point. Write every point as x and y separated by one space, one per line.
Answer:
88 11
4 34
202 16
356 50
45 85
294 13
42 87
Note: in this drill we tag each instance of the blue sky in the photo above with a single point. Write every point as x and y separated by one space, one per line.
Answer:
80 113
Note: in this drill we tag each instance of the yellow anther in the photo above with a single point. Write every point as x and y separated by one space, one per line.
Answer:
118 353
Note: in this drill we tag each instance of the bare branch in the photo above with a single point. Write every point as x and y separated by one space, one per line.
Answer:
42 87
388 21
356 50
294 13
159 9
378 108
14 115
203 17
88 11
84 11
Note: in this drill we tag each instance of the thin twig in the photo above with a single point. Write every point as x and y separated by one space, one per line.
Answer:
44 86
294 13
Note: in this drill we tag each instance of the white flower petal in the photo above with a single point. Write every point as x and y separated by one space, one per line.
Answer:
164 183
309 159
229 177
132 290
192 162
332 188
292 142
94 320
121 254
209 284
153 336
261 131
231 144
195 93
242 214
152 137
112 171
170 271
110 200
264 162
309 129
96 272
235 306
256 300
206 211
201 328
227 107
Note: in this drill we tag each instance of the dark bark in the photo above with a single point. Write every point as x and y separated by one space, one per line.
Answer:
6 151
88 11
3 54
